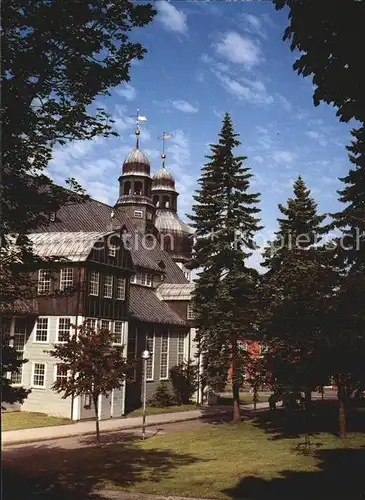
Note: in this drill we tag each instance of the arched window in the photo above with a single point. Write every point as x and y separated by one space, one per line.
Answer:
166 202
138 188
156 200
127 187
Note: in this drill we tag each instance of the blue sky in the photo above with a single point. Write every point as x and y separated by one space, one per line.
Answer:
205 59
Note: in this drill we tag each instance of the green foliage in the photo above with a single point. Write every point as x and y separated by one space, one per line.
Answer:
162 397
184 379
10 364
225 222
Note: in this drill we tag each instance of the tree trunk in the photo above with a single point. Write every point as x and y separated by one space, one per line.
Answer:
308 399
96 409
341 394
235 385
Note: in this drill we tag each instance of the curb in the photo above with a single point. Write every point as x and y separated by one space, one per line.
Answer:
110 431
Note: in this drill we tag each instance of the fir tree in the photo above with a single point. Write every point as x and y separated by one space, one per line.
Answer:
225 222
294 295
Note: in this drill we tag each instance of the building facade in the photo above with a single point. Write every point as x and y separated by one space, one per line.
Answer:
116 267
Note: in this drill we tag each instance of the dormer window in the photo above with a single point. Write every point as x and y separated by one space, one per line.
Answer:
190 312
133 278
146 279
138 214
52 216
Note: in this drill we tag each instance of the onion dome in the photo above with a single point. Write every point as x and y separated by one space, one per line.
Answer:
163 180
136 162
167 220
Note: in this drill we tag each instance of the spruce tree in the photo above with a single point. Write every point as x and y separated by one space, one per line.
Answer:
294 295
225 222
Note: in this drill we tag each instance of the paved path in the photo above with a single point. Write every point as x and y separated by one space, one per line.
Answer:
112 425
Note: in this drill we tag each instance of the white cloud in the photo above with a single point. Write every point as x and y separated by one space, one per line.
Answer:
184 106
253 91
258 159
171 18
317 136
284 156
239 49
284 101
253 24
127 91
122 121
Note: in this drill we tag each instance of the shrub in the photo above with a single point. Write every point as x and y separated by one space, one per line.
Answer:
162 397
184 378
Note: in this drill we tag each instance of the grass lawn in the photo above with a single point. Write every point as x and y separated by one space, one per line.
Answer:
226 399
26 420
155 411
256 459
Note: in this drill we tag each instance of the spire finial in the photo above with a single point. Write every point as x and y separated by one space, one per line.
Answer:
137 132
164 137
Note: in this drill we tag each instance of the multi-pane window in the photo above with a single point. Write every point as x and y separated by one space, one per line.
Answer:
94 283
164 357
41 332
16 377
118 332
133 278
108 286
146 279
66 278
61 373
138 214
20 332
91 323
150 344
64 329
39 375
180 348
44 282
120 288
190 313
105 324
112 251
132 351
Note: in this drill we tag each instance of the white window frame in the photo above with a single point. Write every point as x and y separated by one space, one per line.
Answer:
68 373
44 283
20 355
44 376
68 282
94 283
15 334
103 327
52 216
122 332
152 357
146 279
112 250
140 214
108 286
120 288
167 353
190 314
94 322
58 328
133 278
36 328
180 353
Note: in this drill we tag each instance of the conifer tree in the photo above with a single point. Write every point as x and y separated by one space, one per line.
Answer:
295 292
225 222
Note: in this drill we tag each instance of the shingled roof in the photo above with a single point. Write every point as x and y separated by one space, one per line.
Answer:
145 306
94 216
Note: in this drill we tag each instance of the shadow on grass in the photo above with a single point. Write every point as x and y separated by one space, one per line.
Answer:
340 475
55 473
323 417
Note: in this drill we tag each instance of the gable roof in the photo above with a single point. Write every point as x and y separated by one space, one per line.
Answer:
181 291
145 306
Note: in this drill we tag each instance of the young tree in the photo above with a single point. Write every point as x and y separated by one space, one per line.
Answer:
225 224
294 294
93 365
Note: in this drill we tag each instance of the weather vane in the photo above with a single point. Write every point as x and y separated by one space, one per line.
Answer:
139 118
164 137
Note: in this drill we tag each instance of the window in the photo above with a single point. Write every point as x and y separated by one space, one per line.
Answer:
108 286
132 352
91 323
138 214
94 283
150 344
133 278
39 375
164 358
149 215
66 278
61 373
16 377
87 401
44 282
118 332
180 348
146 279
41 333
190 313
105 324
112 251
120 289
138 188
52 216
20 332
64 329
